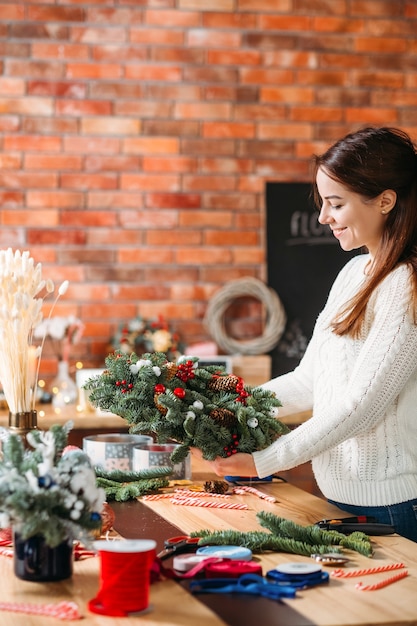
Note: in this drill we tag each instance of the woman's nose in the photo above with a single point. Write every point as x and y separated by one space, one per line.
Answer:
325 216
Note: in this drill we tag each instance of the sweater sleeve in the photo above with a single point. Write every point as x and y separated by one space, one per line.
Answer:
386 359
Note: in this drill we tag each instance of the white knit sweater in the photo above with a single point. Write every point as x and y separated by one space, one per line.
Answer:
362 436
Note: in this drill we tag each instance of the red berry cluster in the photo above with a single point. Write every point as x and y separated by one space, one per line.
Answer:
240 389
185 371
124 386
231 448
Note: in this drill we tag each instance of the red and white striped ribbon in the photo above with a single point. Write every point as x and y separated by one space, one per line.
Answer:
208 503
67 611
241 490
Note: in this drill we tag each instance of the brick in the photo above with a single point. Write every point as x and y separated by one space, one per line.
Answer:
236 130
12 86
119 53
204 256
35 69
327 7
113 237
226 166
62 51
154 72
203 110
97 163
49 126
14 49
32 30
93 70
151 145
110 199
209 183
18 179
117 16
58 89
169 164
288 94
89 181
84 107
380 44
158 111
178 55
22 218
231 238
234 19
233 57
9 123
374 8
173 238
11 12
52 162
56 14
25 106
111 89
265 76
149 182
54 199
207 5
172 200
150 256
229 201
212 74
179 128
166 37
204 219
94 35
56 237
11 199
315 114
104 219
248 93
109 126
91 145
174 18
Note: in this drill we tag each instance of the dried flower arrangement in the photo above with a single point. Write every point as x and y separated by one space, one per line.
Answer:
21 300
47 490
62 333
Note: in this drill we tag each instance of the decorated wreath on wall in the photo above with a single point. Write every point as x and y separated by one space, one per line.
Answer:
202 407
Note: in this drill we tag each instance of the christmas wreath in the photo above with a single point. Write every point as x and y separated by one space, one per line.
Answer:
202 407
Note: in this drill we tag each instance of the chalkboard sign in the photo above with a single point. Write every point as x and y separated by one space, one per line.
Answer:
303 261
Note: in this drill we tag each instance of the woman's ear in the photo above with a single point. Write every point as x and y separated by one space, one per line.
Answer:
387 200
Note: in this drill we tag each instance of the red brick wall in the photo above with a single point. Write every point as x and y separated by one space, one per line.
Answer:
137 136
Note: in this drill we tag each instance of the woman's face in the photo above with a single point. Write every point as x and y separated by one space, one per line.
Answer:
354 221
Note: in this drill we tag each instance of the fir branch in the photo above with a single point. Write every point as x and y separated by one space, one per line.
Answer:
124 477
121 492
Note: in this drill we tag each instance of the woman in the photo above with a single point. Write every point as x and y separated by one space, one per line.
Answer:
359 372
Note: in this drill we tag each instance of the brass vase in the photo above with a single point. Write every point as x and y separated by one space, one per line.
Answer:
23 422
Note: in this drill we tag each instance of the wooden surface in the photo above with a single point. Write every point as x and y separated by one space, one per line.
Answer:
335 604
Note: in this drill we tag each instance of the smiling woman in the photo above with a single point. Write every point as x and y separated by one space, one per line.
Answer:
359 372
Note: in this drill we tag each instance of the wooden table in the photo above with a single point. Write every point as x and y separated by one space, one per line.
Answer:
337 603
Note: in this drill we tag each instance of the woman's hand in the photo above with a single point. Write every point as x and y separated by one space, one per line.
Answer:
240 464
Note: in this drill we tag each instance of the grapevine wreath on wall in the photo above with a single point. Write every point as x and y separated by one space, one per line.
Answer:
202 407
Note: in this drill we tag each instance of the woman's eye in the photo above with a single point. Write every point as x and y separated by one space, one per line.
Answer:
336 206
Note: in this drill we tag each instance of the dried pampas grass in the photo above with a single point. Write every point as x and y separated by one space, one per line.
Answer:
22 292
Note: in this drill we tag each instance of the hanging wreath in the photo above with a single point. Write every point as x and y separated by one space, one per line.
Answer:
221 301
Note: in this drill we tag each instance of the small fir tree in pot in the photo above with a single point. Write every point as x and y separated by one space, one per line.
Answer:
202 407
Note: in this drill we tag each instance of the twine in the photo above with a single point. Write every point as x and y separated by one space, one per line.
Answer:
246 287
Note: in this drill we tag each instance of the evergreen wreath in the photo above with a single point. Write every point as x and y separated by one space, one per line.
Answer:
202 407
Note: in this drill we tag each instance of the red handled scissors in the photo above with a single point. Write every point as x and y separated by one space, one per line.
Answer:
178 545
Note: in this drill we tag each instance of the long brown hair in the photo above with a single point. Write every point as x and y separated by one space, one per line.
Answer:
368 162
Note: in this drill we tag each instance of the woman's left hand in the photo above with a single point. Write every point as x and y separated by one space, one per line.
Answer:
240 464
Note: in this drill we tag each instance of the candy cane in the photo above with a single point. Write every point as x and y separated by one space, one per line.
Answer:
243 489
199 494
63 610
157 496
208 503
6 551
382 583
340 573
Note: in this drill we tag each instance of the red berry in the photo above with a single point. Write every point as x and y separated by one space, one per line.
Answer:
179 392
159 388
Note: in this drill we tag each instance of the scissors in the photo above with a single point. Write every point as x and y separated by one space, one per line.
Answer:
178 545
248 584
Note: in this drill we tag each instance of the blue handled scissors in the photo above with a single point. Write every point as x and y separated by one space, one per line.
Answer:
248 584
178 545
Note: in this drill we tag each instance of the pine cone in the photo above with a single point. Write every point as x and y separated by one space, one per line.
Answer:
223 383
172 369
223 416
160 408
216 486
